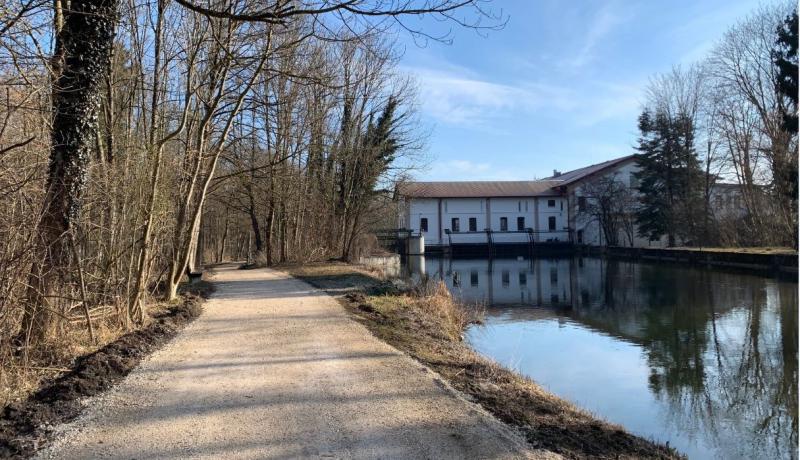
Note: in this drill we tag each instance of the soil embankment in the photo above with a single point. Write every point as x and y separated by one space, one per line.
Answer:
760 260
27 425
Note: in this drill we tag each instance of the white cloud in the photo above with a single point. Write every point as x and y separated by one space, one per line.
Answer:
607 19
697 54
457 96
454 95
466 166
611 101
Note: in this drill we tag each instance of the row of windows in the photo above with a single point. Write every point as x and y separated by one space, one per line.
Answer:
455 224
505 278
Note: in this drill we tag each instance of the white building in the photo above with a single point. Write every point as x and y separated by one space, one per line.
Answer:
463 212
727 202
550 210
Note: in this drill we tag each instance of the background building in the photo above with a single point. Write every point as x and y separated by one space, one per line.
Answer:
563 208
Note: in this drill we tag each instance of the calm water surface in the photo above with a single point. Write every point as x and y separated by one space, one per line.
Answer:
701 358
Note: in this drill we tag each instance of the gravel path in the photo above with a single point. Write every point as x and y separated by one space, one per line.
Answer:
274 368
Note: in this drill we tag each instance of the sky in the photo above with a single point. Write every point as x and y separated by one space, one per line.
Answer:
559 87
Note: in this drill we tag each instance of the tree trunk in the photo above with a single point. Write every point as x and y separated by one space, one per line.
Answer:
136 307
251 211
221 253
82 61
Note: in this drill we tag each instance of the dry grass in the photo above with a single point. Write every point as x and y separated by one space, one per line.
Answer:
25 425
427 323
434 299
21 374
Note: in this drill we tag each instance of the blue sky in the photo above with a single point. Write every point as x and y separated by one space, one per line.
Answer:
559 87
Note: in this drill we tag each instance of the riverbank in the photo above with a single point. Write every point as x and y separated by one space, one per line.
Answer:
775 260
28 422
427 324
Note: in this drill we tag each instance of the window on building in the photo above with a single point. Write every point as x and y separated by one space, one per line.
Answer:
455 224
473 224
523 279
473 279
520 223
505 278
456 280
551 203
554 299
580 236
504 224
551 223
423 224
581 203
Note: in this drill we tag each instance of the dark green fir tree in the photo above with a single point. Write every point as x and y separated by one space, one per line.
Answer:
785 171
669 178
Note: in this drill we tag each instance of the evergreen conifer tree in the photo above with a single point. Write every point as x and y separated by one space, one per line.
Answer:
785 172
669 178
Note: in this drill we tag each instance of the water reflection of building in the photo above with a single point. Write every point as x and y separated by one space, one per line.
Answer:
542 282
719 346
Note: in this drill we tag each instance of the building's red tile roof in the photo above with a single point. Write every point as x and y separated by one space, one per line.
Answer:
478 189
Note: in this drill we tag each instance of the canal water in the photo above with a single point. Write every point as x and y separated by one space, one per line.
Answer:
703 359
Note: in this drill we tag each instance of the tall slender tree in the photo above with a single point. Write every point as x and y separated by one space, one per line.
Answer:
785 58
81 61
786 168
669 177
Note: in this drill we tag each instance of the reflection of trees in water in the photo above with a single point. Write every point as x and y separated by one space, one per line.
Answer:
789 325
722 349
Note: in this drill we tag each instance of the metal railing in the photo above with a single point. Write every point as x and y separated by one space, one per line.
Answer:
534 236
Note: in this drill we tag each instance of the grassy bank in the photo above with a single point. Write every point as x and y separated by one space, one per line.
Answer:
751 250
427 323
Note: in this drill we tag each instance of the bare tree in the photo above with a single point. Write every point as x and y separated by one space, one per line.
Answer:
750 120
611 204
150 124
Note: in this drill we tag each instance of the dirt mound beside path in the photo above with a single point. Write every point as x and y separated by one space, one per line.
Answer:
25 425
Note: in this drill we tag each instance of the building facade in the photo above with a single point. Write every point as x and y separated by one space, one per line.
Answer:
448 213
556 209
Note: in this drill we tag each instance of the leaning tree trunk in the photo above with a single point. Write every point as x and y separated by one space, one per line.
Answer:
82 60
